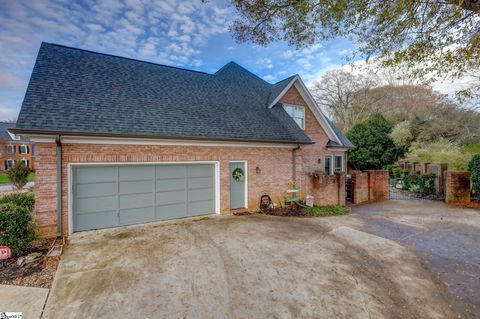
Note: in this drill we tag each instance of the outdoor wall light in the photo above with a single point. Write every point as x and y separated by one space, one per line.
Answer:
319 161
258 170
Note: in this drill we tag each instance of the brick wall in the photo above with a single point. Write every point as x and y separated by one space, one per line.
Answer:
360 187
457 187
46 189
310 157
371 185
329 189
275 166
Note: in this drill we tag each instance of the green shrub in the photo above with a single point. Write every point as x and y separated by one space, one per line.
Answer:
474 168
18 174
420 183
329 210
399 173
389 168
17 228
375 147
25 200
439 152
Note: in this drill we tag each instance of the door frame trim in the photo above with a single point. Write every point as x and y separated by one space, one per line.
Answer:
70 167
245 163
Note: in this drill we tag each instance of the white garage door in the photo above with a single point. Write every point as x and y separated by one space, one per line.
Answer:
117 195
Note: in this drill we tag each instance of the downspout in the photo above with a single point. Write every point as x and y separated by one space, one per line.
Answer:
58 141
294 164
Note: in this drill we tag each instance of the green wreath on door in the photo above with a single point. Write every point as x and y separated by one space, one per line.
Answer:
238 174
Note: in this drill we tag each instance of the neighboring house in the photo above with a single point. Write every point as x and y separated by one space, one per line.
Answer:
137 142
13 149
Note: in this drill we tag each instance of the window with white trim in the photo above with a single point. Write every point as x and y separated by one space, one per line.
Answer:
9 164
297 112
338 163
23 149
25 162
11 149
328 165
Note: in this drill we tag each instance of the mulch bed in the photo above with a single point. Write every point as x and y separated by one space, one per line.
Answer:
37 276
285 211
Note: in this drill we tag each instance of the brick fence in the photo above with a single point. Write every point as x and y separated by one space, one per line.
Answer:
457 187
329 189
369 186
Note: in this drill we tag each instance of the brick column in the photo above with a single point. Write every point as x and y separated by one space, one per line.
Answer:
378 185
46 189
457 187
360 187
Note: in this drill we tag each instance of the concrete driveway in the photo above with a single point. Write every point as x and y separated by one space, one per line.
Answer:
245 267
446 237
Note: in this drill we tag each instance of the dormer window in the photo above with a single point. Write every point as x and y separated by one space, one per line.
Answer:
297 112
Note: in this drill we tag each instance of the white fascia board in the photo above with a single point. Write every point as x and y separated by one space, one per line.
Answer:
307 96
147 141
285 90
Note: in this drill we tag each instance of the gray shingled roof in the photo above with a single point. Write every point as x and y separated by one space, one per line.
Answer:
4 127
78 91
343 139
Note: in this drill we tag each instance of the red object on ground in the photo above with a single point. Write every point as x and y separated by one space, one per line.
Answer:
5 252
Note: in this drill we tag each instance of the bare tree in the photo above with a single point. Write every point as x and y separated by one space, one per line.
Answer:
346 96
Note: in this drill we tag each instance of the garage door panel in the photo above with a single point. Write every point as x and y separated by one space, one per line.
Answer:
110 196
200 194
199 170
200 207
137 215
136 200
135 187
170 184
201 182
174 197
169 171
171 211
96 189
96 204
92 175
96 220
133 173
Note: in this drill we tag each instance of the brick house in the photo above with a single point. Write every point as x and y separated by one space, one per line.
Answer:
122 141
13 149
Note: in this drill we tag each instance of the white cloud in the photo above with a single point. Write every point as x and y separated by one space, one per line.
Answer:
167 31
265 62
269 77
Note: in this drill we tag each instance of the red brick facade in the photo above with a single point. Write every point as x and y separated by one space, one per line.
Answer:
274 164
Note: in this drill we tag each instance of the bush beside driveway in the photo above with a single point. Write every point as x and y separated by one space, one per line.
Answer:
244 267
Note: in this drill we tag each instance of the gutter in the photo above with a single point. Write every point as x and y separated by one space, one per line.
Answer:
294 163
58 141
166 137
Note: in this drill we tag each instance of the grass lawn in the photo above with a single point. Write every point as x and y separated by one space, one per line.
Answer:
4 178
329 210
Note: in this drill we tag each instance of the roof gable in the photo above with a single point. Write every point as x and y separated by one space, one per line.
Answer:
282 88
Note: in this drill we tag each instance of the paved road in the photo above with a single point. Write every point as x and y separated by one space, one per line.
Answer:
447 237
8 187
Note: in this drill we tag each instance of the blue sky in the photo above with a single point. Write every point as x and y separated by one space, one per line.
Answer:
188 34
